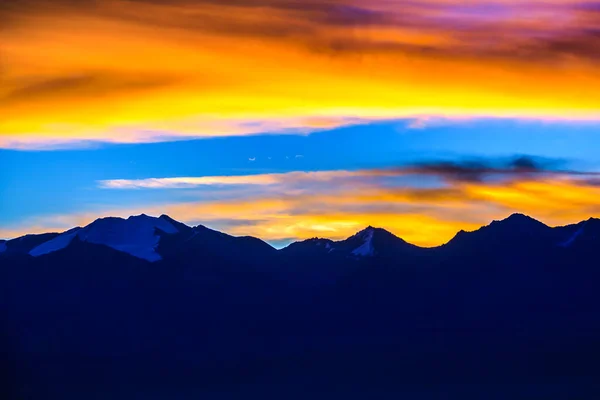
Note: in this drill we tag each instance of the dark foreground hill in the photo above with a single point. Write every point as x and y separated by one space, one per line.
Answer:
148 308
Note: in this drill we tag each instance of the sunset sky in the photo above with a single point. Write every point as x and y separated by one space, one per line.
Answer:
289 119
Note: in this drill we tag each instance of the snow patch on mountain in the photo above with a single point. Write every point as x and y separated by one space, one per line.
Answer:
574 237
135 235
366 249
58 243
326 243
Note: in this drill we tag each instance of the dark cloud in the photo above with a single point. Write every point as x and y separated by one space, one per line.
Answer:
584 44
526 164
591 182
50 86
346 15
91 84
591 6
474 30
480 170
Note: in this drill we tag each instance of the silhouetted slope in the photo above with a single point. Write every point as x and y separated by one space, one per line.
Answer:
507 310
25 244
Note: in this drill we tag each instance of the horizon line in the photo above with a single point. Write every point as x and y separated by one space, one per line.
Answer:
512 215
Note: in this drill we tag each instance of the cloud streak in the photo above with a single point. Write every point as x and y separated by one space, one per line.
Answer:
191 182
477 170
151 70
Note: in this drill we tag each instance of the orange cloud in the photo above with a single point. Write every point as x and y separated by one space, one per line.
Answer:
135 71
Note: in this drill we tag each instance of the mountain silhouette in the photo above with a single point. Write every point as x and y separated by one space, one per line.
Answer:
149 237
132 307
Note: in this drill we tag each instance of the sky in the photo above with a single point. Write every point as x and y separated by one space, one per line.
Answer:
289 119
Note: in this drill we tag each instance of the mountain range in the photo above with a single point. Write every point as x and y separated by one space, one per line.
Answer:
163 238
136 307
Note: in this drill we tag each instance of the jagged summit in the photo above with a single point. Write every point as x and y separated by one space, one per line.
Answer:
137 235
179 225
367 248
371 242
367 242
371 230
516 222
519 220
516 231
312 246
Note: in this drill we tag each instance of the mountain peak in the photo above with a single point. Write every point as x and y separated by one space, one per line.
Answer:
371 230
136 235
521 217
366 248
308 246
179 225
513 229
142 215
373 241
518 216
519 220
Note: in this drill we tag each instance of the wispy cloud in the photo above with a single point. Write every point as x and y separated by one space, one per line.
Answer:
258 179
187 182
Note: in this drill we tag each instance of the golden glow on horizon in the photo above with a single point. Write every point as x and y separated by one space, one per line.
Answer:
426 217
136 71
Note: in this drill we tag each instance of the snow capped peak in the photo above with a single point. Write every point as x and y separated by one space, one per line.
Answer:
58 243
371 230
136 235
373 241
367 248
